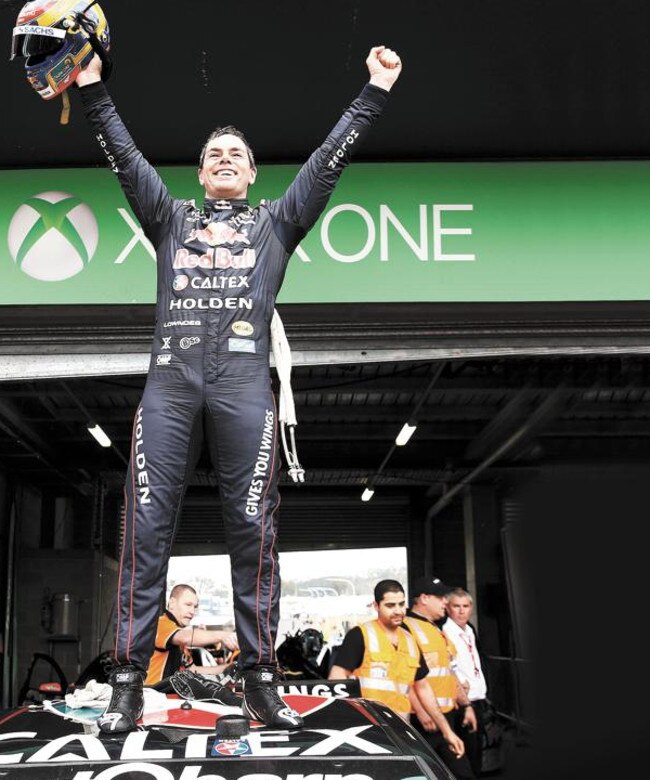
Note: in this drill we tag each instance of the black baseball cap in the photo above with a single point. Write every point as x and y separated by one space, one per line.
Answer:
433 586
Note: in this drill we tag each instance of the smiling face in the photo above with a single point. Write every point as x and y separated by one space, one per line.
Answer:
226 171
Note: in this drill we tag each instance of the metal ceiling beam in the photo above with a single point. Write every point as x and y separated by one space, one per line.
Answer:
371 414
310 385
502 424
351 431
602 428
49 365
326 413
539 416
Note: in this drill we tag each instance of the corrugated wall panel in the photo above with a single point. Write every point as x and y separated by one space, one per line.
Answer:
308 520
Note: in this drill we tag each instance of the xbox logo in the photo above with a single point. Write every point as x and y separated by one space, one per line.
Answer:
53 236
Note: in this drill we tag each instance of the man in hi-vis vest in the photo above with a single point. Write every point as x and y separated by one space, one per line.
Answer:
429 600
386 660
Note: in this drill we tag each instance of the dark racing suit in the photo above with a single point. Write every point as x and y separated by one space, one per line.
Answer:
219 271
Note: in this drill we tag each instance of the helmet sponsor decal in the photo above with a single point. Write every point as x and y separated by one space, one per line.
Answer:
53 236
34 29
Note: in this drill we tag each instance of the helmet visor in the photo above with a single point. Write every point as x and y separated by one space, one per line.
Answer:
31 41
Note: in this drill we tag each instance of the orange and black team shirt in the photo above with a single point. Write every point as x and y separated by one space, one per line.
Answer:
167 658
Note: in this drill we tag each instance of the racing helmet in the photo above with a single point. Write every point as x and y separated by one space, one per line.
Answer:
58 39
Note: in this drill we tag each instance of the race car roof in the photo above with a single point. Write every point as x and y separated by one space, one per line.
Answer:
342 738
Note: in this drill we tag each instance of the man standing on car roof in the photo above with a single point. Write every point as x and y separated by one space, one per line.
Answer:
220 268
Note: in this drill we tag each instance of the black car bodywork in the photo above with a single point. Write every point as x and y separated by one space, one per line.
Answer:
343 739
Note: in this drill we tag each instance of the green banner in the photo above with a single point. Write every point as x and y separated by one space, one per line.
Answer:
391 232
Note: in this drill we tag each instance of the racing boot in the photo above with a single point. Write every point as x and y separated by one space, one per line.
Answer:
263 702
127 701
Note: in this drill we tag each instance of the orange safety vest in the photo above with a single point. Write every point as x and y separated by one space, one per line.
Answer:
387 672
439 652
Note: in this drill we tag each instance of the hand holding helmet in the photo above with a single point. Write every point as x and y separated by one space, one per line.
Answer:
58 39
92 73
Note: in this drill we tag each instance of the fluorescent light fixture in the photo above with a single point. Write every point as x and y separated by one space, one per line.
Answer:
405 434
367 494
97 432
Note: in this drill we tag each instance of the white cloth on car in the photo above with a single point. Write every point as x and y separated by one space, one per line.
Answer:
96 694
92 694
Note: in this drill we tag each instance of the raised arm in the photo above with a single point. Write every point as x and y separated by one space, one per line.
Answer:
142 186
305 199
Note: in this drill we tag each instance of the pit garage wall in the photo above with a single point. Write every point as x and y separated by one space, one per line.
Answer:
498 540
55 555
52 556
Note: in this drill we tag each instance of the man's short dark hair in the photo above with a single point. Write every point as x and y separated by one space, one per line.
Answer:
179 589
387 586
227 130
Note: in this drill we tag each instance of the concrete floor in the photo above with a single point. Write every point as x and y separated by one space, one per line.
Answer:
518 759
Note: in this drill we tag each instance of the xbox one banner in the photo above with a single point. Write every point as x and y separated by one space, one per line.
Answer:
452 232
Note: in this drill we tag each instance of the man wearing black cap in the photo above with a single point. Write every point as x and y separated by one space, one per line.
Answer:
429 598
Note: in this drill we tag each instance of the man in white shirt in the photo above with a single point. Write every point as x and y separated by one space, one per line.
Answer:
460 606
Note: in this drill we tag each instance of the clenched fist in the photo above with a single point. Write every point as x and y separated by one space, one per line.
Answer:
384 66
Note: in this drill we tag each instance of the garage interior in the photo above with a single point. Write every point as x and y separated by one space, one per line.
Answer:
504 411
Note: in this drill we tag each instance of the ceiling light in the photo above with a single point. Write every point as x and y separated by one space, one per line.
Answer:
405 434
98 433
367 494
